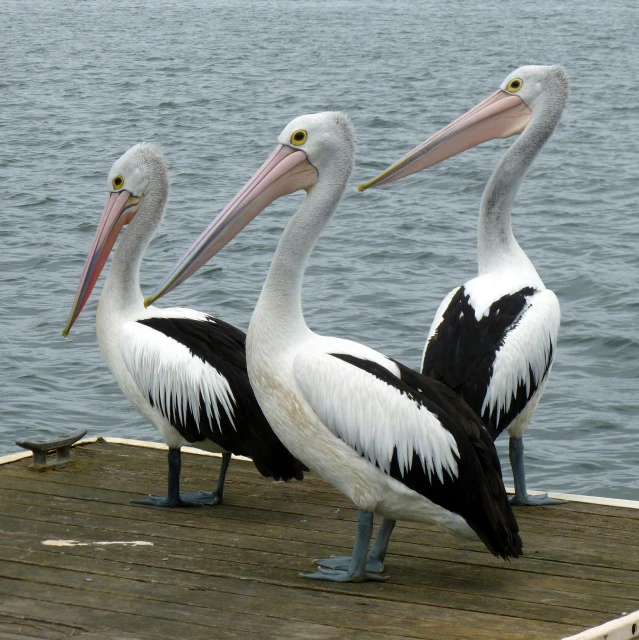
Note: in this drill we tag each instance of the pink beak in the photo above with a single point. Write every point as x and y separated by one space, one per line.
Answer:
499 116
119 210
286 170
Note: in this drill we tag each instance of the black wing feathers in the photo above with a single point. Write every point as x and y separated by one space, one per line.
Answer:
222 346
461 354
477 493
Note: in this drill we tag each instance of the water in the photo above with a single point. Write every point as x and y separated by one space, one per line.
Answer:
214 83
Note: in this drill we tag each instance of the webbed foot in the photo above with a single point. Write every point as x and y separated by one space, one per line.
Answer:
175 499
342 563
335 575
534 501
172 502
203 497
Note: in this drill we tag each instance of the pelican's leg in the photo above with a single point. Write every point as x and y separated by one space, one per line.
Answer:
212 497
521 497
376 556
356 571
173 498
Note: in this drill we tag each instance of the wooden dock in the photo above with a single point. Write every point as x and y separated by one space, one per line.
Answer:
232 571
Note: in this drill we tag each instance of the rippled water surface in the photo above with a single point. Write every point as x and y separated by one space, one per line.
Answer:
214 83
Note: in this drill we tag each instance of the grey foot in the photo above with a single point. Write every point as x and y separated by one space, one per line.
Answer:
203 497
534 501
335 575
162 501
344 562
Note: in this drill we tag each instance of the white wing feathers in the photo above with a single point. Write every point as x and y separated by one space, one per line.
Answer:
525 348
174 379
373 417
439 315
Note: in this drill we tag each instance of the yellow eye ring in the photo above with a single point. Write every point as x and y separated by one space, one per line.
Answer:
515 85
117 182
299 137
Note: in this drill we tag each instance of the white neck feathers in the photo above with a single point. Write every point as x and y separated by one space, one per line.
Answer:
497 247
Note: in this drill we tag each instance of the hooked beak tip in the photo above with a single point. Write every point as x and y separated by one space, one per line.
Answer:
376 180
147 302
65 332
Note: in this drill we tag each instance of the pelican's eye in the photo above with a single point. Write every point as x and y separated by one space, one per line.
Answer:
515 85
299 137
117 182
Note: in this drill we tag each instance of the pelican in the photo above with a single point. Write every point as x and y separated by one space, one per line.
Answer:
391 440
493 339
184 371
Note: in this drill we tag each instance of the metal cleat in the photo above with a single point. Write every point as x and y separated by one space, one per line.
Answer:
62 448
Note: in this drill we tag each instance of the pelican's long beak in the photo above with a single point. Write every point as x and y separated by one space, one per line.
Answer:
119 210
499 116
286 170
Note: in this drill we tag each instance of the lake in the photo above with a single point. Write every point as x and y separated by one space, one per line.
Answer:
213 83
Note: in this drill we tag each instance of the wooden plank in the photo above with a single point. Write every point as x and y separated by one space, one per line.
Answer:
420 586
420 592
282 610
575 500
282 501
145 477
173 571
240 560
140 626
148 462
278 532
212 616
14 627
17 627
596 550
324 531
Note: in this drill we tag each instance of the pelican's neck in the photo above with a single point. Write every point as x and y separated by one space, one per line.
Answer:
122 288
281 298
497 247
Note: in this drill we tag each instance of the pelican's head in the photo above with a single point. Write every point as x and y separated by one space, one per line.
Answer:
327 139
321 144
522 97
535 85
130 179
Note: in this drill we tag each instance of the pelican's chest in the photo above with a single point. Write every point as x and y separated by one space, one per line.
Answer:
110 319
269 362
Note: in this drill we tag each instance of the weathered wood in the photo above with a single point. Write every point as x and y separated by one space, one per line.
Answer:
598 596
433 582
232 570
28 626
564 536
222 606
419 594
291 530
595 552
138 481
140 625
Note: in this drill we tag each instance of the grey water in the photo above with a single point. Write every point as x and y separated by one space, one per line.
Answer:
213 83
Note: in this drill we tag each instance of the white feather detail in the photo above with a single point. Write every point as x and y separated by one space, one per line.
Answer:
328 344
437 320
526 347
174 379
483 290
177 312
373 417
